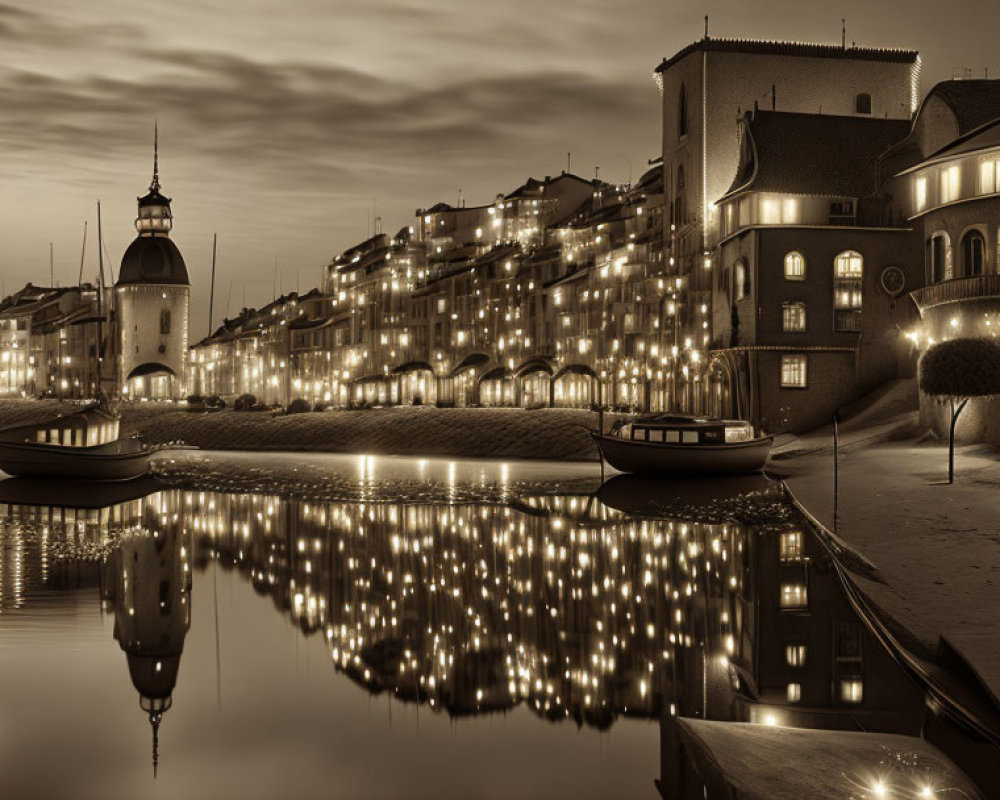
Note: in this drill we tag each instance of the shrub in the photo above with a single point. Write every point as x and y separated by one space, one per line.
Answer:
298 406
245 402
214 401
319 407
195 400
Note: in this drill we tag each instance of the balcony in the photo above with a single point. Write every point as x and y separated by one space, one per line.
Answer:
957 290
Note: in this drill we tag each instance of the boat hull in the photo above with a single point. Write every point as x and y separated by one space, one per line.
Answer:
695 459
121 460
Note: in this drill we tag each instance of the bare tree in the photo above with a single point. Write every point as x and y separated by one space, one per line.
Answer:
956 371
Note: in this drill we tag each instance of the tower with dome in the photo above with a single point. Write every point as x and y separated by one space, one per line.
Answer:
152 298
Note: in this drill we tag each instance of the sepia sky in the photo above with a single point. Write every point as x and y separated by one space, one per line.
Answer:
282 124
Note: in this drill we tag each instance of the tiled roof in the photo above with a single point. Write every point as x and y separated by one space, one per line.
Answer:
981 138
973 102
773 48
815 154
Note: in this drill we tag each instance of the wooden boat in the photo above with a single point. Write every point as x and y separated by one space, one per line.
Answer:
83 445
683 444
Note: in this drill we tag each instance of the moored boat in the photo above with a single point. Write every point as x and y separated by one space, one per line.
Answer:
683 444
82 445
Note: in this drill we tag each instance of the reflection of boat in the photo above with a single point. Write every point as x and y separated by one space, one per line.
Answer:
75 494
82 445
683 444
654 495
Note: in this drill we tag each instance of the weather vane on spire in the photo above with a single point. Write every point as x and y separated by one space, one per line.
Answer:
154 185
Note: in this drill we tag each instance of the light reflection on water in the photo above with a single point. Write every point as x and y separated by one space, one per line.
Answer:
645 600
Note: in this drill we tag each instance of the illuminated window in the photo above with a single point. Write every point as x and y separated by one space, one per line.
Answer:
795 655
742 288
795 266
790 546
794 595
989 173
920 194
851 690
950 184
848 270
770 212
790 211
793 317
794 692
794 372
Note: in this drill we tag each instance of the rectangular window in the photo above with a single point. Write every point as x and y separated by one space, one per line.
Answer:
793 317
851 690
795 655
988 174
790 546
164 322
790 211
794 692
848 271
794 596
951 184
794 372
770 212
920 194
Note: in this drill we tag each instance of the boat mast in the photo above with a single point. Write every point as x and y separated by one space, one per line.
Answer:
211 296
100 306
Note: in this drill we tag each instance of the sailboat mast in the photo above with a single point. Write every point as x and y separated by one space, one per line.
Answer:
83 253
211 295
100 305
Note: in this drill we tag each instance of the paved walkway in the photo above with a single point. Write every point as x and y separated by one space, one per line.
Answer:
936 546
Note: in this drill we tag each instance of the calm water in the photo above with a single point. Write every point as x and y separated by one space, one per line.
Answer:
423 630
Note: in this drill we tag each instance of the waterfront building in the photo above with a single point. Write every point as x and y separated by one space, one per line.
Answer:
706 88
944 179
806 311
151 301
49 342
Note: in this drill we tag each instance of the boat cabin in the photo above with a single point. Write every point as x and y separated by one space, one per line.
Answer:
88 427
679 429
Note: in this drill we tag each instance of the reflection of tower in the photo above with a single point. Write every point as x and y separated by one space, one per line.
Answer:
149 585
152 300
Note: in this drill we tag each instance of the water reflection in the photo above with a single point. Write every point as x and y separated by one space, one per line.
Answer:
643 600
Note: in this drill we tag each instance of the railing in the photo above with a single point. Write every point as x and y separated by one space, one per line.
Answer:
956 290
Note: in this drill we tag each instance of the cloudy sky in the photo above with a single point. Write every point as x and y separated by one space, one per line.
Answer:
284 124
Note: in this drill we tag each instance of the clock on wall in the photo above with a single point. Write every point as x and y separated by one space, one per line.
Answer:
893 281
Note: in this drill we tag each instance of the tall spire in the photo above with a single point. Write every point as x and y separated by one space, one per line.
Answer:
154 185
154 720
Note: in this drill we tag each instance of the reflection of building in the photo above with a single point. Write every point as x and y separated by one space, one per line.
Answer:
151 296
148 584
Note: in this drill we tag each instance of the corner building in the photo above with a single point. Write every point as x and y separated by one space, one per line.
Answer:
706 88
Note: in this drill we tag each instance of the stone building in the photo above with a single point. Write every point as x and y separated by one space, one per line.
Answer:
803 320
151 300
707 86
944 179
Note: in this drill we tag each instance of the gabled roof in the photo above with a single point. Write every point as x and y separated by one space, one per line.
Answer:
813 154
773 48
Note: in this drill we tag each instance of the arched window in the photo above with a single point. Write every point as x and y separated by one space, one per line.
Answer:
848 272
742 287
795 266
939 257
682 112
973 253
863 103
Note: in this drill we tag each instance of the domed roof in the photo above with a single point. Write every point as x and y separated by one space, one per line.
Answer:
152 259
